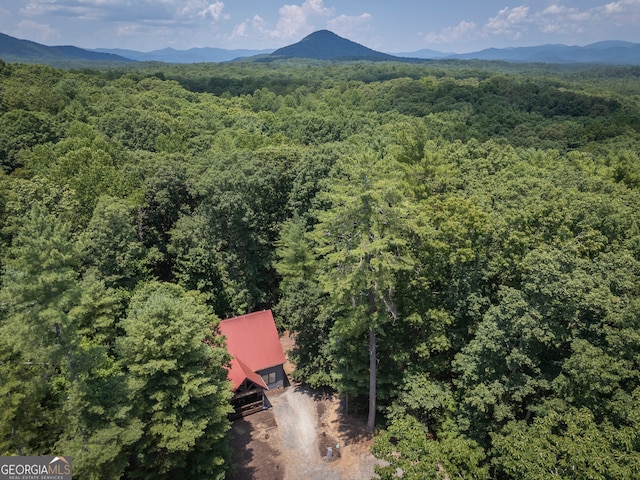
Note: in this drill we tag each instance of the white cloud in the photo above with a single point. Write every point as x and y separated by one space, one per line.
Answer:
554 10
511 22
214 11
129 10
239 31
46 8
508 20
613 7
317 7
350 26
201 8
624 10
452 34
522 21
292 20
258 22
562 20
246 28
38 32
297 20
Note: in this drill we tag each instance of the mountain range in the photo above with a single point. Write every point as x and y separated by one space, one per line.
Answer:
193 55
25 51
320 45
608 52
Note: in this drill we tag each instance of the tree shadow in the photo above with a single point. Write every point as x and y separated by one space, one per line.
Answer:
315 393
241 453
252 454
352 427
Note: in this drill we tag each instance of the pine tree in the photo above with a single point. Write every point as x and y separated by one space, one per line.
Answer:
177 385
37 335
361 243
62 390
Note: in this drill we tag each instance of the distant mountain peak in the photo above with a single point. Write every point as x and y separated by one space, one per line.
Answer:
326 45
322 33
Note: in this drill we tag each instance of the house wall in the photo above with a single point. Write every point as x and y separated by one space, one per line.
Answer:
277 375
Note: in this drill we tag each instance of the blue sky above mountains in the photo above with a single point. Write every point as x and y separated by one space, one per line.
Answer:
390 26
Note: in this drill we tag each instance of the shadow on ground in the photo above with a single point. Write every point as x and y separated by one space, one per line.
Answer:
252 455
351 427
239 439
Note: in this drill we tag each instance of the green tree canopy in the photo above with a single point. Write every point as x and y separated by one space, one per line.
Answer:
177 384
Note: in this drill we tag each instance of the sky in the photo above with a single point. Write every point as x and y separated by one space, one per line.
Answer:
394 26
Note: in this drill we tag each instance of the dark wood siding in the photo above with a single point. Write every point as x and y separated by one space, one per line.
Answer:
273 377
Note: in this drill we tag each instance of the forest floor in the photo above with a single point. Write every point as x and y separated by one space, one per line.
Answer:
290 440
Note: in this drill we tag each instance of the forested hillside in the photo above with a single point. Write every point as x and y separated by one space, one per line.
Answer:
465 235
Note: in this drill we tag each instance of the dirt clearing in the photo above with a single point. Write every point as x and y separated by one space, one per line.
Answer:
290 440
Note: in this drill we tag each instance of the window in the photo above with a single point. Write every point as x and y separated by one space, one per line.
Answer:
269 378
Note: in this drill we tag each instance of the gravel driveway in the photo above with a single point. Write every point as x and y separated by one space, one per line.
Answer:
289 441
295 411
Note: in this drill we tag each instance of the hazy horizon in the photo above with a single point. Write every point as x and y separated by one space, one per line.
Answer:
465 26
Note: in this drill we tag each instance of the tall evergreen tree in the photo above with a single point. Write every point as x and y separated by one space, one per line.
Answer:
177 385
62 390
361 243
39 290
301 309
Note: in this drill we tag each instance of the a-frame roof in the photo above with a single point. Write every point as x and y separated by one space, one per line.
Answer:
253 341
239 372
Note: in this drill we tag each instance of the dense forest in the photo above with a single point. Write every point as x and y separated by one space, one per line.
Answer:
454 245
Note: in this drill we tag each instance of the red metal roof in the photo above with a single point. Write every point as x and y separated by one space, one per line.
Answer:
253 341
239 372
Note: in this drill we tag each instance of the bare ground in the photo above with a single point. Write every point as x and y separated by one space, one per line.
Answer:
290 440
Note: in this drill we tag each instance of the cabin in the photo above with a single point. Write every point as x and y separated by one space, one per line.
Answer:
257 361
